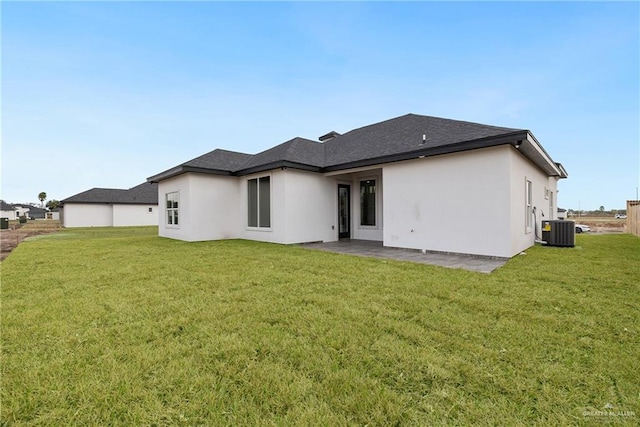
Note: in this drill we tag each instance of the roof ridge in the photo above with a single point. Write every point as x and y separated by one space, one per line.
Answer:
373 124
231 151
464 121
287 142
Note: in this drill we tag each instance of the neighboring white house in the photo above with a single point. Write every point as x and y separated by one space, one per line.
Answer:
109 207
562 213
414 182
7 210
13 212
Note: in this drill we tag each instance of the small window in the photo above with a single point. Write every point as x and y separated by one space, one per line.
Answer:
528 206
368 202
546 193
150 210
259 202
172 208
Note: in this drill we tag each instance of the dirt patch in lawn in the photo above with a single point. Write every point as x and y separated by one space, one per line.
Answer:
12 237
603 225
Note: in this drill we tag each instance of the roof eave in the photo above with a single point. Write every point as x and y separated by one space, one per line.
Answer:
531 148
279 164
564 173
182 169
475 144
93 202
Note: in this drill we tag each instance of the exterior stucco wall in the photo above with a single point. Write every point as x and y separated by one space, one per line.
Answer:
180 231
87 215
207 207
301 207
451 203
471 202
522 170
134 215
310 203
106 215
15 213
11 214
213 207
22 210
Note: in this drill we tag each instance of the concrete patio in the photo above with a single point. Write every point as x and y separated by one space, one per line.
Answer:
367 248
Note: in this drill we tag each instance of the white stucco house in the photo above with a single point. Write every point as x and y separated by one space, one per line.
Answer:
111 207
7 210
13 211
414 181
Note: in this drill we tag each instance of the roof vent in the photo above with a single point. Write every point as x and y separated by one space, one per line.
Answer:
329 136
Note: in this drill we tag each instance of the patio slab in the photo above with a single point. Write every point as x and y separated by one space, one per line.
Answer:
374 249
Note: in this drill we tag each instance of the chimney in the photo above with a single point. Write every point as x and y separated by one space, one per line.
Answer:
329 136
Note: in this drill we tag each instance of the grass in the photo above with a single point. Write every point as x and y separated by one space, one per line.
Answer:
120 327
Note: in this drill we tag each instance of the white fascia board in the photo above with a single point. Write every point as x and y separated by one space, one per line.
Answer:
354 170
543 154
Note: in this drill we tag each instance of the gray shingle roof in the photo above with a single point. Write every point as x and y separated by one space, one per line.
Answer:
297 151
144 194
218 161
404 135
222 160
13 206
6 206
396 139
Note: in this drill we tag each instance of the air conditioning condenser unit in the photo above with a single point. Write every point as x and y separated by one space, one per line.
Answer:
559 233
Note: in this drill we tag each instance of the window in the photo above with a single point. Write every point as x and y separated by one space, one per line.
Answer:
368 202
172 208
259 207
529 206
150 210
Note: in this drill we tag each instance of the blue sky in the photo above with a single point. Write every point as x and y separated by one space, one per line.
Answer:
106 94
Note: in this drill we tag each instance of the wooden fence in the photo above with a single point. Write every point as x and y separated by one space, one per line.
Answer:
633 217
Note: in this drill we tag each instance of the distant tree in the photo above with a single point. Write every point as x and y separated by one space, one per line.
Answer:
53 204
601 208
42 197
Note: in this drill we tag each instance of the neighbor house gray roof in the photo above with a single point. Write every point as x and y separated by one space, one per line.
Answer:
4 206
144 194
402 138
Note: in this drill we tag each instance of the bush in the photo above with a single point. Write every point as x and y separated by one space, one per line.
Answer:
23 219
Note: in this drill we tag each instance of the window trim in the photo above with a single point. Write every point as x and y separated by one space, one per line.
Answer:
167 209
258 227
375 204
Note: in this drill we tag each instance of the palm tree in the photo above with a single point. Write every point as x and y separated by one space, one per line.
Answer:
53 204
42 196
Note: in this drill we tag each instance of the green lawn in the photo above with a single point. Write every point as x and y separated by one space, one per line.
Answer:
120 327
